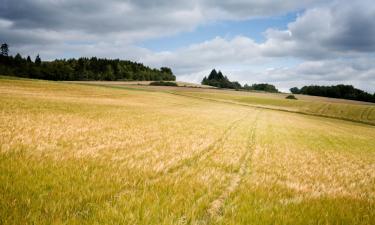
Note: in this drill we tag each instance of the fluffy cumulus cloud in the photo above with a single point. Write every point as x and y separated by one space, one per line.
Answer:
217 52
329 42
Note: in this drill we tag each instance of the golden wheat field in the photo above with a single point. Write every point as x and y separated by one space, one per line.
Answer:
99 153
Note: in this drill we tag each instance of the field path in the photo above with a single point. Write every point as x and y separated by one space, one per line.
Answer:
216 206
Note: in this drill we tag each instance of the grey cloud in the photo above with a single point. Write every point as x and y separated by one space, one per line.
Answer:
97 16
355 27
341 29
94 16
242 9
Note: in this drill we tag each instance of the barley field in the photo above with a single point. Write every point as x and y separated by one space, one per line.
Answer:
107 153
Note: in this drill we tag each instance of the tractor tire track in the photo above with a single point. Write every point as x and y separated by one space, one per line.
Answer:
216 207
199 156
323 109
364 113
369 113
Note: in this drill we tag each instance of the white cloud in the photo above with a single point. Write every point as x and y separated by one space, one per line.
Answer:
359 72
5 24
214 53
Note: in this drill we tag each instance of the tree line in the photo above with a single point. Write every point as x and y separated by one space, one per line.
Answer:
217 79
335 91
79 69
261 87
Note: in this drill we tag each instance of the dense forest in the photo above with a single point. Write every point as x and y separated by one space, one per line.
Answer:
79 69
217 79
336 91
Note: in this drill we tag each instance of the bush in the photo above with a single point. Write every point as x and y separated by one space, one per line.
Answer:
163 83
291 97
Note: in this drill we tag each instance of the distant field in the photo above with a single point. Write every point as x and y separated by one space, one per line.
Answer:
343 109
327 107
132 83
111 153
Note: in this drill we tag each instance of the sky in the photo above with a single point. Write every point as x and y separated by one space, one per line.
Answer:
286 43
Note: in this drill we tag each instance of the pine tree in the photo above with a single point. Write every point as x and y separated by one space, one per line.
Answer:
220 76
4 49
38 60
18 59
213 75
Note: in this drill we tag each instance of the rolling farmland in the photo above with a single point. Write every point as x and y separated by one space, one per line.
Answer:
112 153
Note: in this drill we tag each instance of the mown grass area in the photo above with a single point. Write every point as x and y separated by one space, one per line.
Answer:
84 154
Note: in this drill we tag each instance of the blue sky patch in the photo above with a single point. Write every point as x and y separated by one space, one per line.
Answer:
252 28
